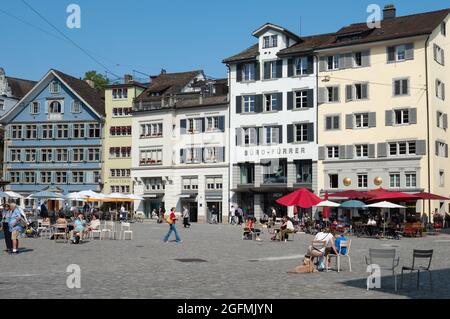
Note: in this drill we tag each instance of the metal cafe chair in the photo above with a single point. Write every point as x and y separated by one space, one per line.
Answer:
425 255
386 259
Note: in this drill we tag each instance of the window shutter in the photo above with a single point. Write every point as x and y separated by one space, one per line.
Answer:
222 123
336 94
436 145
183 127
349 150
290 100
266 70
280 101
261 138
258 103
323 64
257 71
310 98
199 152
342 149
413 116
276 134
182 156
279 69
290 133
442 57
349 121
421 147
372 119
364 91
382 149
389 118
342 58
437 87
391 54
200 124
371 149
239 132
446 150
328 123
290 67
239 72
321 153
280 134
220 151
322 96
443 91
365 56
238 104
47 105
310 64
445 120
310 132
62 107
253 136
409 53
435 51
349 60
349 93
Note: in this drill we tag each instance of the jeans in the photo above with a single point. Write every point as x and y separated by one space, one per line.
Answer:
186 222
172 228
7 235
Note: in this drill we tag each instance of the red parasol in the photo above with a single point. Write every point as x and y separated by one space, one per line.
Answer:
392 196
351 194
430 196
302 198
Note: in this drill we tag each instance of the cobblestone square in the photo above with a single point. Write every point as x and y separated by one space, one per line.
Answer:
212 262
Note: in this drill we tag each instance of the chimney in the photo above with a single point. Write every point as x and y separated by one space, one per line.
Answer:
127 79
389 12
163 71
91 83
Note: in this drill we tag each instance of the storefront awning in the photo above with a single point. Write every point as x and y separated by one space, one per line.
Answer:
213 196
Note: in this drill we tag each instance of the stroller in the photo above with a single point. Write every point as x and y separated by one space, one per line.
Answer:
31 230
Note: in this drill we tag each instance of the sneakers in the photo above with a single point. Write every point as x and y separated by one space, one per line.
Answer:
180 241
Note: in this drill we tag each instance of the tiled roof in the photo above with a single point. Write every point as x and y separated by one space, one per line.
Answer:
89 94
20 87
206 101
307 44
249 53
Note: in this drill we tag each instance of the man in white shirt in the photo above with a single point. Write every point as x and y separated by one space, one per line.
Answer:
329 248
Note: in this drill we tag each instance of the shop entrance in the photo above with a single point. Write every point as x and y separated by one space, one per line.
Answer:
193 210
218 207
150 205
269 200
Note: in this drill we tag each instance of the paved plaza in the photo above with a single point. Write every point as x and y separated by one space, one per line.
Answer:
219 265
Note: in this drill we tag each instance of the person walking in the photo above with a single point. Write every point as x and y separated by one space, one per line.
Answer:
6 215
233 215
15 226
214 215
240 215
161 214
171 220
186 217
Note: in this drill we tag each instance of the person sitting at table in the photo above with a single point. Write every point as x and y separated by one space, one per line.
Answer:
337 243
330 247
79 226
249 227
61 221
94 224
286 228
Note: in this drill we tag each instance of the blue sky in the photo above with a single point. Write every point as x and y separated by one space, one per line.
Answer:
177 35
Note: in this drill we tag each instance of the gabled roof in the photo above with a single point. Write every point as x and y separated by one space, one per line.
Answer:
261 30
307 44
248 54
393 28
91 96
20 87
169 83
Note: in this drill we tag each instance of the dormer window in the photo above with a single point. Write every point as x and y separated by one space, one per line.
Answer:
270 41
54 87
54 108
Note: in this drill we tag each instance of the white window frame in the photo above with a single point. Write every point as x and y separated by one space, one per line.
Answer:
249 72
301 62
45 177
356 65
362 151
404 114
394 180
212 123
300 98
408 146
402 87
249 103
334 60
61 178
190 183
400 49
360 122
48 128
334 151
333 117
333 99
54 87
48 154
330 181
439 86
441 178
75 107
270 101
16 155
35 108
303 132
363 180
271 135
78 155
411 179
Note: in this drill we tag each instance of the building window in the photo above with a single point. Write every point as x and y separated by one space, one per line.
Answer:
248 72
122 111
361 90
332 152
16 131
247 173
362 120
62 131
47 155
270 41
362 150
30 155
333 94
401 116
441 120
212 123
78 155
78 131
54 87
15 177
444 28
249 104
76 107
55 108
120 173
272 135
214 183
62 155
357 59
97 178
441 149
303 171
271 70
15 155
210 155
190 183
441 178
46 177
152 130
118 94
332 122
362 181
301 66
250 136
34 108
30 131
394 180
402 148
151 157
440 90
94 131
154 184
439 55
333 62
301 99
94 154
411 179
270 102
334 181
78 177
120 131
30 177
274 171
61 177
47 131
301 132
401 87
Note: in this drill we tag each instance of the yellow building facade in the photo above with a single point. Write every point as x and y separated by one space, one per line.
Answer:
116 169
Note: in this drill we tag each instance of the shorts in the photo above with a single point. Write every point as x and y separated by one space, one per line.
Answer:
15 235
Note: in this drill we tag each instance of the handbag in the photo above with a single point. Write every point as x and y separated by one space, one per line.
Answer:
169 220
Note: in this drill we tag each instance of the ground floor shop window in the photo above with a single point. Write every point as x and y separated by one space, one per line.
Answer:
274 171
303 172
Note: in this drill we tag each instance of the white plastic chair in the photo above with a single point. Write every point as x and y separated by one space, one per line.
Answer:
344 244
125 229
107 228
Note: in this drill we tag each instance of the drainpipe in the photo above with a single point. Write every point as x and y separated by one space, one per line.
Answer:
428 126
229 142
316 58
